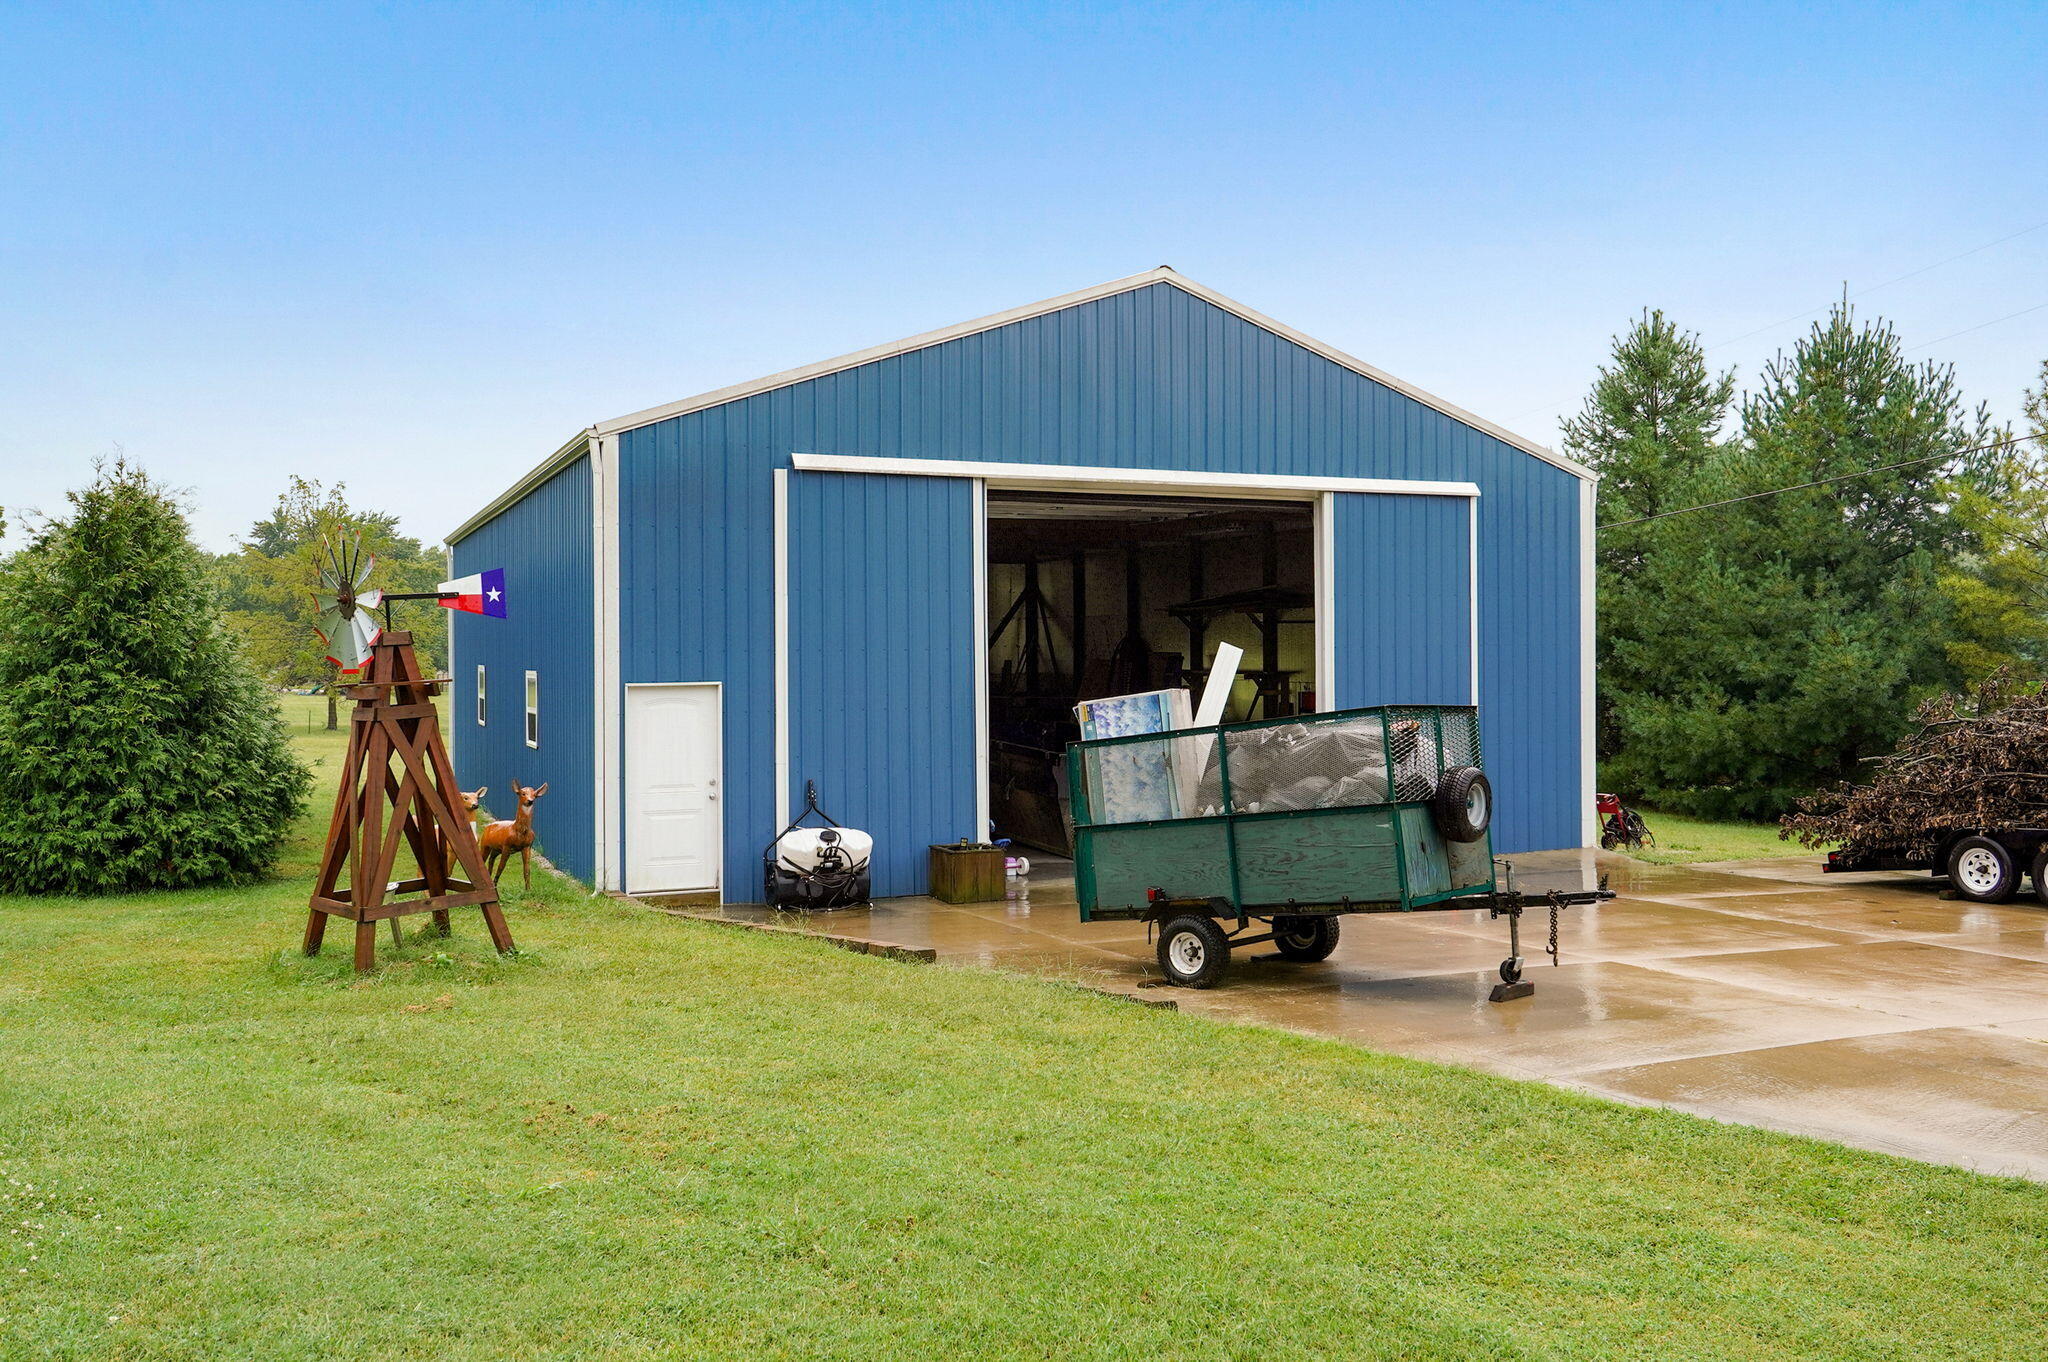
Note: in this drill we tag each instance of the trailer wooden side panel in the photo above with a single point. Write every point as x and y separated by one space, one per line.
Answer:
1188 860
1318 857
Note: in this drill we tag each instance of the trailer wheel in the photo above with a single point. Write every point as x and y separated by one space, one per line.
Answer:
1463 804
2040 872
1306 939
1981 869
1193 951
1511 970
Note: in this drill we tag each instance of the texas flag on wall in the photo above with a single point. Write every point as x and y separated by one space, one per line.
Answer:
480 593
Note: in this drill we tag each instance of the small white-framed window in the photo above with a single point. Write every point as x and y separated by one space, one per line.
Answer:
481 708
533 709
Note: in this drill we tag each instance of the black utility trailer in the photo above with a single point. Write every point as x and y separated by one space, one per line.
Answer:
1984 864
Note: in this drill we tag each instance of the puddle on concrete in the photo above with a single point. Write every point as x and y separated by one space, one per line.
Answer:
1966 1096
1909 979
1862 1008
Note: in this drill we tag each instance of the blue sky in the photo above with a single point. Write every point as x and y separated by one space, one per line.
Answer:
416 248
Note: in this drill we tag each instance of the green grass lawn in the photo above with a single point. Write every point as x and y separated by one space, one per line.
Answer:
647 1138
1687 841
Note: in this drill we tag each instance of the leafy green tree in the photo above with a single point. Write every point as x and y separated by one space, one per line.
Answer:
137 748
1650 427
269 584
1792 634
1997 584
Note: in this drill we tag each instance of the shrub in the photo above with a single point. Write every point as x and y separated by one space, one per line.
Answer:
137 748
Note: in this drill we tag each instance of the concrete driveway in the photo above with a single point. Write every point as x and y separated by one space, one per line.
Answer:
1862 1008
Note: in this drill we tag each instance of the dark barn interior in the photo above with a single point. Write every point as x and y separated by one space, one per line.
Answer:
1093 595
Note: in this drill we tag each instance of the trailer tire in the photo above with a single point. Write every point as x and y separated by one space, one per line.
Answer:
1463 806
2040 874
1305 939
1193 951
1981 869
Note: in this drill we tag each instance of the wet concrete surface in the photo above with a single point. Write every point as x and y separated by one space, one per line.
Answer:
1860 1008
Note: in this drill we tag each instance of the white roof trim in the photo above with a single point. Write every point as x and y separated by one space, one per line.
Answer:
875 352
1163 275
1081 477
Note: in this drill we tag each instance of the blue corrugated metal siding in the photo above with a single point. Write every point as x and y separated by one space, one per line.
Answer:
544 544
881 661
1403 600
1154 378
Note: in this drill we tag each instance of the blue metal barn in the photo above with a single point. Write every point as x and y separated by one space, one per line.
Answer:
716 601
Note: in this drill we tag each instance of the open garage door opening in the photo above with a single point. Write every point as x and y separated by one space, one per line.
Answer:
1094 595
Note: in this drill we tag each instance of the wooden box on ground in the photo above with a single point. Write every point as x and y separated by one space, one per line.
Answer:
967 873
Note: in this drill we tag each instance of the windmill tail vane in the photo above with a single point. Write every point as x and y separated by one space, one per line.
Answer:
347 621
480 593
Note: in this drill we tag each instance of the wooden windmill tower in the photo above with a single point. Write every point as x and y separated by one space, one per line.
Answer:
397 802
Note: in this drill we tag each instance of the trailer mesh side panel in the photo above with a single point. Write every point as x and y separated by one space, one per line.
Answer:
1333 763
1350 759
1144 779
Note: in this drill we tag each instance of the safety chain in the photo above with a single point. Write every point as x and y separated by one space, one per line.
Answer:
1552 947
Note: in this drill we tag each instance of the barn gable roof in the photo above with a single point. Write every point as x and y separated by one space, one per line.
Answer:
575 447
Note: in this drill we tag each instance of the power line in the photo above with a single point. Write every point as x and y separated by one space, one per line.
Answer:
1823 482
1910 274
1978 327
1814 312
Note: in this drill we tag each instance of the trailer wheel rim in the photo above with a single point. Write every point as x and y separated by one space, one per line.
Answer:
1187 953
1475 805
1979 870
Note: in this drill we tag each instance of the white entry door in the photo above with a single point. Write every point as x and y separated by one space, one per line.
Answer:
673 759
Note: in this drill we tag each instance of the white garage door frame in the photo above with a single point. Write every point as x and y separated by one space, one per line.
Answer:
717 690
1311 490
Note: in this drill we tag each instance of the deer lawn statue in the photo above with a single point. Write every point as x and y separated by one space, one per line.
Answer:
470 800
500 839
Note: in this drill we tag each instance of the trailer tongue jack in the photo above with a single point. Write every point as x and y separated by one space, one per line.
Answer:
1510 904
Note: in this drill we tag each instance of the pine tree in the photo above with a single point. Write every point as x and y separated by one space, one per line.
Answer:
2034 411
137 748
1652 419
1793 634
1650 427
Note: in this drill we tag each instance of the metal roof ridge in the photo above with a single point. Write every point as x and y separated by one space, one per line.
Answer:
1163 274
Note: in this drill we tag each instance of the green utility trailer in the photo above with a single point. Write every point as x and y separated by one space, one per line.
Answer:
1289 823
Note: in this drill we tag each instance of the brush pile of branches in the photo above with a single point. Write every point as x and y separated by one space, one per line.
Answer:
1975 760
